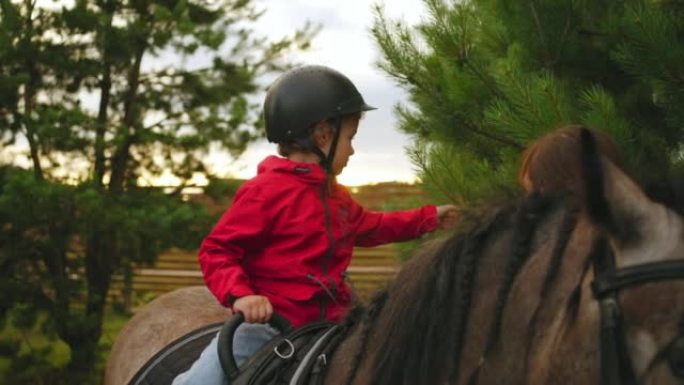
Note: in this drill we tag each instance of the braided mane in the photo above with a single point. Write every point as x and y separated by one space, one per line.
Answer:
424 311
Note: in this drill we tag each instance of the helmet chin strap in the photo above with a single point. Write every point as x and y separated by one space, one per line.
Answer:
326 160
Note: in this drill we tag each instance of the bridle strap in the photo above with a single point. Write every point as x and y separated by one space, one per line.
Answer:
633 275
615 363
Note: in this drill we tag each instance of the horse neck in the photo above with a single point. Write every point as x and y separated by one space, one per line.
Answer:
536 320
542 324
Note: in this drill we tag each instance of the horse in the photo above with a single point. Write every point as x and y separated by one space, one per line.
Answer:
538 290
165 319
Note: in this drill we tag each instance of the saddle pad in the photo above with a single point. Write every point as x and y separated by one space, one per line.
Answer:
176 357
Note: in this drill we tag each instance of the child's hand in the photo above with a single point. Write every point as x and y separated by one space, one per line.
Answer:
256 308
447 216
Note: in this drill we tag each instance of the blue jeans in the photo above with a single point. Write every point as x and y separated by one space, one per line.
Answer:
207 369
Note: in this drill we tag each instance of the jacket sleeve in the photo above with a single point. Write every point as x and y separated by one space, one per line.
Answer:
239 230
377 228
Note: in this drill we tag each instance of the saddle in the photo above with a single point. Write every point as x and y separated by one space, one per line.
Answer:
176 357
294 357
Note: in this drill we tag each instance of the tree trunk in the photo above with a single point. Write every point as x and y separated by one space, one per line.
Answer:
83 341
122 153
29 95
101 125
105 96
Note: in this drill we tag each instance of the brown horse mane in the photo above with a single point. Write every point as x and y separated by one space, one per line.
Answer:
430 299
426 308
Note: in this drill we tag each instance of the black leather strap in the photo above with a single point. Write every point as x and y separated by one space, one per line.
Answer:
227 334
609 281
615 362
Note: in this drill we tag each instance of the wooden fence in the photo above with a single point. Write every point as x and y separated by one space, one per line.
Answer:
370 269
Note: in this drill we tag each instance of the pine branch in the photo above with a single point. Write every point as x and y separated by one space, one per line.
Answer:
540 32
500 139
485 80
161 121
564 37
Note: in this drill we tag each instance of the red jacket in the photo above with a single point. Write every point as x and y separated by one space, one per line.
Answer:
287 238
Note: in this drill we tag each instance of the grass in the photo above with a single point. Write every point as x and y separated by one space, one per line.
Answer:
42 354
114 322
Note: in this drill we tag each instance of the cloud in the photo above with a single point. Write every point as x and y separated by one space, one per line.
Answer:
345 43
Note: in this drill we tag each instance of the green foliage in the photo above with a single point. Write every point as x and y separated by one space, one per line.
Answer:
35 356
487 77
442 162
219 189
44 259
107 95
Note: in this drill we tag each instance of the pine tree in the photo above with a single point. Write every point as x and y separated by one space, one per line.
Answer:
107 94
487 77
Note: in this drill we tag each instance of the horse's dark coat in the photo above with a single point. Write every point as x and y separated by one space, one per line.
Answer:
505 299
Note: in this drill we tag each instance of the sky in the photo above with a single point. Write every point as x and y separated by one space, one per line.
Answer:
344 43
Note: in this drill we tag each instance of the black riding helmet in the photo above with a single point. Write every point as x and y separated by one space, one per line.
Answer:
306 95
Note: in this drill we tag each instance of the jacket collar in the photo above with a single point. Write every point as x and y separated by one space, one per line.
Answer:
307 172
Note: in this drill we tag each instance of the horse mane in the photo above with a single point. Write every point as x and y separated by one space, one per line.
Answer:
418 324
430 300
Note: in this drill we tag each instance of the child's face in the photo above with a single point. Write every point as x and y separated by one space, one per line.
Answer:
345 148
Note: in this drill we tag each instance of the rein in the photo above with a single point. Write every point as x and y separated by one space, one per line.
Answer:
615 364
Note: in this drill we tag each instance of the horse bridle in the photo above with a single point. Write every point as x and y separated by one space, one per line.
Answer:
615 362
